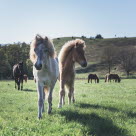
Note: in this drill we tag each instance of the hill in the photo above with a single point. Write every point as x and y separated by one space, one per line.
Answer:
94 50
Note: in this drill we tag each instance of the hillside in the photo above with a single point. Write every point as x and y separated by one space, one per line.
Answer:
94 50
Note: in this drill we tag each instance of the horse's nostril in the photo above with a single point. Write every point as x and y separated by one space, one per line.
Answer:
38 67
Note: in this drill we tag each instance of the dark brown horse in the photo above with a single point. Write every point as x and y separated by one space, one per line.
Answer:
93 76
18 74
114 77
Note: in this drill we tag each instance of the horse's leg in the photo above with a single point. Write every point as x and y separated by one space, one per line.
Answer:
18 83
91 80
40 99
15 82
88 80
105 79
50 100
70 91
71 95
22 84
62 94
43 101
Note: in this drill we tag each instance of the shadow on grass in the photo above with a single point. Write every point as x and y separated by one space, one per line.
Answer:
112 109
29 90
95 124
131 114
95 106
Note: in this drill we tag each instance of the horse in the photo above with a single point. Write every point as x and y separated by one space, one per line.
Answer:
71 52
93 76
25 77
18 74
45 70
114 77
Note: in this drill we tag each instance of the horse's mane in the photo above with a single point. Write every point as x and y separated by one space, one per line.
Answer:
50 46
69 46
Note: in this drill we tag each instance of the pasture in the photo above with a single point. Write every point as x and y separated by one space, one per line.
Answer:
104 109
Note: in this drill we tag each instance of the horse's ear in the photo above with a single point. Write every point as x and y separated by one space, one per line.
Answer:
46 38
36 37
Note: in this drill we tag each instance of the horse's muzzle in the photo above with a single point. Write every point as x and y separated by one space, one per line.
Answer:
38 67
84 64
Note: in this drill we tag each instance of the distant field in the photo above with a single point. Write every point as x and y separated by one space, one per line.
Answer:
94 52
104 109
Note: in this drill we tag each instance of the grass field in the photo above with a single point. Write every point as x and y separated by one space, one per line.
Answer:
104 109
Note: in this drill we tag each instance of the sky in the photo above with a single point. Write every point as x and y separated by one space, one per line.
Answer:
21 20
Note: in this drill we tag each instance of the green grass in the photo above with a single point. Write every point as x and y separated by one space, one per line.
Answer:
104 109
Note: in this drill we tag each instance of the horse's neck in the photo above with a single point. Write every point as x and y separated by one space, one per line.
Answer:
20 70
69 64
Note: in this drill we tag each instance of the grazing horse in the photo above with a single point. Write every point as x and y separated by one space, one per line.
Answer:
71 52
25 77
45 70
18 74
93 76
114 77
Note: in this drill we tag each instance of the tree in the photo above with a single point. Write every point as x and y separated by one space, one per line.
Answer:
98 36
83 37
5 68
127 59
29 68
109 57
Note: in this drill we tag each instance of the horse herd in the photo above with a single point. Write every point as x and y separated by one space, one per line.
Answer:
108 78
48 68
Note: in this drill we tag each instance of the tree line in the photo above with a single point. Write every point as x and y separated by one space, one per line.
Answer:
11 54
121 58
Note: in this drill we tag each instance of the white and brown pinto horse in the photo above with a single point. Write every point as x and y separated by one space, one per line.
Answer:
45 70
71 52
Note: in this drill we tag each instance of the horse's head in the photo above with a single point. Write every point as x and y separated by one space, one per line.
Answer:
119 80
79 53
41 51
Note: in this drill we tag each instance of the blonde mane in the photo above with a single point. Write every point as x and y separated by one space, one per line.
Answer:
69 46
50 47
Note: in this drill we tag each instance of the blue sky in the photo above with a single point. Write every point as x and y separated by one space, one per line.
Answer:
21 20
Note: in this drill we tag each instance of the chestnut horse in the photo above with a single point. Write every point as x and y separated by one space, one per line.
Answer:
93 76
114 77
18 74
45 70
71 52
